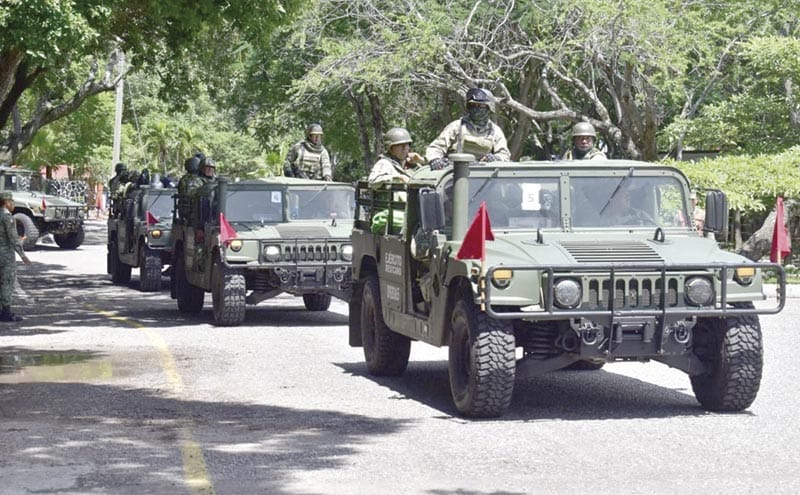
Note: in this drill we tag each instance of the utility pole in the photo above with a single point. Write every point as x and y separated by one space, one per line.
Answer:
118 115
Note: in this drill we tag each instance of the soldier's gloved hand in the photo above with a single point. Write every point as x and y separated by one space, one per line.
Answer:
287 170
490 157
440 163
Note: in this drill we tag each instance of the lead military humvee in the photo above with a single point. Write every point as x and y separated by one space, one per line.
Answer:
290 235
37 214
590 263
139 236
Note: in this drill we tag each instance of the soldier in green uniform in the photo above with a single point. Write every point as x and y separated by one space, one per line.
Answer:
583 147
398 162
188 183
9 245
309 158
474 133
121 176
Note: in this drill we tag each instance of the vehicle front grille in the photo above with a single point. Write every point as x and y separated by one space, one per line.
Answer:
631 293
611 252
310 252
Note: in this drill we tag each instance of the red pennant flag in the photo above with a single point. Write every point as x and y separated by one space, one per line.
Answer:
44 204
480 231
151 219
781 242
226 232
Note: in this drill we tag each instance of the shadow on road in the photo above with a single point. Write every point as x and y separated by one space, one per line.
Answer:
90 428
563 395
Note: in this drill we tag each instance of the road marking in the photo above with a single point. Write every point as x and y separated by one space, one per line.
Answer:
195 472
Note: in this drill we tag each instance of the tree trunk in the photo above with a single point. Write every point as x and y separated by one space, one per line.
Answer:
363 133
377 125
759 244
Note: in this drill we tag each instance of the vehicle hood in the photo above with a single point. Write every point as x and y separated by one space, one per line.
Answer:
34 200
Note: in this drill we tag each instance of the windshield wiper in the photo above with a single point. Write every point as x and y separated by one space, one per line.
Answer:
485 182
616 190
306 203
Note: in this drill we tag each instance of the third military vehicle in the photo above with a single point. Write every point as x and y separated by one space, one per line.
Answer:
139 235
37 213
567 265
251 240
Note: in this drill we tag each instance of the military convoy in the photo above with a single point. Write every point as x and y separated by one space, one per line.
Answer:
139 230
251 240
37 214
566 265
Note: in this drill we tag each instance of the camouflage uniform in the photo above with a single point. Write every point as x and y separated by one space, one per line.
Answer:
9 245
386 169
305 158
592 154
460 136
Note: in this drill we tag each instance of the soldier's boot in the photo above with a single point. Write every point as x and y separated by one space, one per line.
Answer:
7 315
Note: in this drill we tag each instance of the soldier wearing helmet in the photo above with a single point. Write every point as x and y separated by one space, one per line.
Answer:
189 182
309 158
583 144
474 133
398 161
120 170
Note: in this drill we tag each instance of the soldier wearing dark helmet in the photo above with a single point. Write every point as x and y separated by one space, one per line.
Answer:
120 171
474 133
189 182
398 161
583 144
309 158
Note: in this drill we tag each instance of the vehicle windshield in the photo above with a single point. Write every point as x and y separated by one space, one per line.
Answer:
15 182
254 205
628 201
321 203
159 204
512 202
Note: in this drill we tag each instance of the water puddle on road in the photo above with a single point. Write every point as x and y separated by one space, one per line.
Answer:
66 366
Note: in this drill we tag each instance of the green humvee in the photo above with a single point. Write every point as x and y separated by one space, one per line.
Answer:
37 214
139 236
589 263
289 235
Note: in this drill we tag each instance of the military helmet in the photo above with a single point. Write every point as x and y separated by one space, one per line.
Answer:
314 129
192 165
396 135
119 167
480 95
583 129
6 195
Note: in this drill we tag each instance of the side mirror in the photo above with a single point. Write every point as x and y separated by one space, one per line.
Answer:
431 210
716 211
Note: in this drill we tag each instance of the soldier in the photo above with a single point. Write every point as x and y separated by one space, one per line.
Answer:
188 183
398 160
9 244
474 133
120 175
309 158
583 148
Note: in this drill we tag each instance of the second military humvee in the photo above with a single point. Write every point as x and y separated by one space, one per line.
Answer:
577 264
251 240
37 214
139 236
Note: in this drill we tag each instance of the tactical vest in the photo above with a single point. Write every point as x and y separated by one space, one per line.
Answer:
310 161
470 142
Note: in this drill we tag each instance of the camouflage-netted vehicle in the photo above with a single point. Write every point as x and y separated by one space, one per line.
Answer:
139 236
251 240
585 264
37 214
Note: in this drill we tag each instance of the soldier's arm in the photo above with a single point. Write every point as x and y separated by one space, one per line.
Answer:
440 146
501 145
325 162
289 163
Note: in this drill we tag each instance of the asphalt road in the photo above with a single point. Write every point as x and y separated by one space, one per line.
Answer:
104 389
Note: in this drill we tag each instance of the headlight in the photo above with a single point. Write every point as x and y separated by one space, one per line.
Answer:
502 278
236 245
567 293
155 233
744 275
272 253
699 291
347 252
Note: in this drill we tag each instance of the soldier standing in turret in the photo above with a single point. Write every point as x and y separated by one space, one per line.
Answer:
583 147
474 133
309 158
9 245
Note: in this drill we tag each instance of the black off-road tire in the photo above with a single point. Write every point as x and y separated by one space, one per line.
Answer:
190 298
317 302
26 228
228 291
73 240
149 269
385 351
120 272
732 349
482 362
